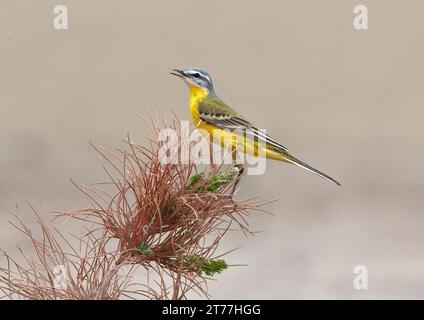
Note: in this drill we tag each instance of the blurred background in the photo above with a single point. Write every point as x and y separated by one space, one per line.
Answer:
348 102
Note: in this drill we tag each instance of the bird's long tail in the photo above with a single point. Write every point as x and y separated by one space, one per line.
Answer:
290 159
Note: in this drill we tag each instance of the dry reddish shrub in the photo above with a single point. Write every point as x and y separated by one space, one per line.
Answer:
167 218
54 269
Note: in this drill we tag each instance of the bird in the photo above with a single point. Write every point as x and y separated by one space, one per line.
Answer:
212 114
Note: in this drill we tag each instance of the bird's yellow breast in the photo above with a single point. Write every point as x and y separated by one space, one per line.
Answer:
197 95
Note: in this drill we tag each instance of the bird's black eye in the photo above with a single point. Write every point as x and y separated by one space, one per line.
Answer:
196 75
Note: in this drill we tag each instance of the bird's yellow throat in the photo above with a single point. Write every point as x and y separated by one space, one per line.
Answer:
197 95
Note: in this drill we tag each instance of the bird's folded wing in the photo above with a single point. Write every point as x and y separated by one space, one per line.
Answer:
217 113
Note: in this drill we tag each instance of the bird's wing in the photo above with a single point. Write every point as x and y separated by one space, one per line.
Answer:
215 112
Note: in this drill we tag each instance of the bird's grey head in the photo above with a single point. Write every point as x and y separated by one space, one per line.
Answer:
195 77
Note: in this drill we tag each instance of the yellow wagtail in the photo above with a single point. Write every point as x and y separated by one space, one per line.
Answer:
217 118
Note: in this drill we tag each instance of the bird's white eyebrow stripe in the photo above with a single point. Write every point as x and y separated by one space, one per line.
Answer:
204 75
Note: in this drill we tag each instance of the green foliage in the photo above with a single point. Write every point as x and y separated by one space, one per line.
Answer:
194 179
209 267
198 264
214 182
213 266
143 248
220 179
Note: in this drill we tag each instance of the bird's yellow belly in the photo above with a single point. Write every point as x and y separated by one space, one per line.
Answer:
231 141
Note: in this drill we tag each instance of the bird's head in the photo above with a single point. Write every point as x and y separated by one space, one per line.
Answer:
195 78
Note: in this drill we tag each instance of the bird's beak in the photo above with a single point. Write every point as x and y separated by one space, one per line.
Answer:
178 73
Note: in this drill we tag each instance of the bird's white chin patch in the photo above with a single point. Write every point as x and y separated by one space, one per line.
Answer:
190 83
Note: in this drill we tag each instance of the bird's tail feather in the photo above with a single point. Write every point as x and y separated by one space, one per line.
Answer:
293 160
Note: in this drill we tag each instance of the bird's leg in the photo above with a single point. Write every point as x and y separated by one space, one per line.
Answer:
213 166
239 167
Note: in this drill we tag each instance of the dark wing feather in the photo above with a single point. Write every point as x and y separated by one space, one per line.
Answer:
215 112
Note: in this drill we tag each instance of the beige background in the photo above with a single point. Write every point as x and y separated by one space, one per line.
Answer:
348 102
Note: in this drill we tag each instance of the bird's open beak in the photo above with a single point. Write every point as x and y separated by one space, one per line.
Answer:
178 73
